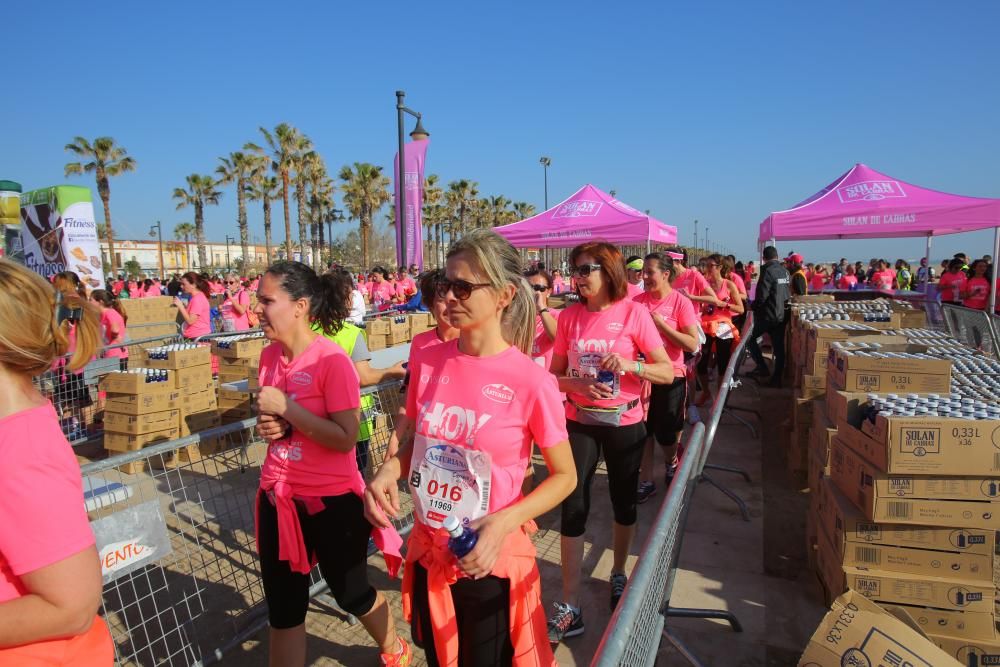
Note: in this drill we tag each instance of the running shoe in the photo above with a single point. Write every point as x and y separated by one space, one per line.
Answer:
400 659
565 622
693 416
668 478
646 491
618 581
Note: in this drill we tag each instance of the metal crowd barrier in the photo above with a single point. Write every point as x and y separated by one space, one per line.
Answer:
976 328
175 530
639 622
74 395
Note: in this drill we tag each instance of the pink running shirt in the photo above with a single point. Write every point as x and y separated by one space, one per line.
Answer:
111 319
542 346
585 337
741 285
632 291
497 405
979 293
198 305
239 322
423 340
42 518
847 282
692 281
952 285
678 312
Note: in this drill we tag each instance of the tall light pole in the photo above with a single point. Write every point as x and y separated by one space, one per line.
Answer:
707 246
546 162
159 233
695 233
418 133
228 240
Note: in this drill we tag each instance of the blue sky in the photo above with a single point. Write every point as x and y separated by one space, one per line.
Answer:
720 112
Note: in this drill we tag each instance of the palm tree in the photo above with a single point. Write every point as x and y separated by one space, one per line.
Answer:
523 210
494 210
238 168
366 190
305 159
283 144
320 201
265 188
184 230
433 196
200 193
106 160
460 196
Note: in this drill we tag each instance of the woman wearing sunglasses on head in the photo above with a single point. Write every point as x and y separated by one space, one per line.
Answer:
476 404
235 308
597 346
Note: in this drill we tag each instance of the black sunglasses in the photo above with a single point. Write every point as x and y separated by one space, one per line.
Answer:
462 289
584 270
539 288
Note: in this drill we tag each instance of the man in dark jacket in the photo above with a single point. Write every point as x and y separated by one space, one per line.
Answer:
769 315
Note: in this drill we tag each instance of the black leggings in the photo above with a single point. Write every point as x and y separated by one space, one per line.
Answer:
338 535
482 613
622 448
723 350
665 420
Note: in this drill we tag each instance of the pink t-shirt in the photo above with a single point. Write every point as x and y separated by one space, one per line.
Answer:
741 286
952 285
322 380
424 339
632 291
198 305
42 517
110 321
818 282
408 285
979 293
882 279
558 285
692 281
542 346
585 337
677 311
240 322
847 282
498 405
382 294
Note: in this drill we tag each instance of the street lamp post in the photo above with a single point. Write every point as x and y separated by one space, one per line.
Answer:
417 134
695 233
228 240
546 162
159 233
707 246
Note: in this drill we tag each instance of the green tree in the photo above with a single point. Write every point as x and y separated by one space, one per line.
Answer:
305 159
365 190
461 196
432 218
523 210
200 193
184 230
320 203
132 268
495 210
265 188
239 168
283 144
105 160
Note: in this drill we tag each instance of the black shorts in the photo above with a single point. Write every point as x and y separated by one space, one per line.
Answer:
665 420
482 613
338 536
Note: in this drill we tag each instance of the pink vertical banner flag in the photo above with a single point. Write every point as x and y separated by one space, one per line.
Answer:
410 222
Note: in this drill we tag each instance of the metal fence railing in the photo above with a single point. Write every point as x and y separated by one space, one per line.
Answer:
976 328
639 623
175 530
74 395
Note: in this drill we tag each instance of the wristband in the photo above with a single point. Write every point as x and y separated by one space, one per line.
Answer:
543 310
638 368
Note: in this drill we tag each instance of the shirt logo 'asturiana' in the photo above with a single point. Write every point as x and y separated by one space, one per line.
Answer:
445 457
300 378
499 393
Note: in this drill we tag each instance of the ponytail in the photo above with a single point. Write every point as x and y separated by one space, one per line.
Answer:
199 282
109 300
87 329
328 295
518 321
69 281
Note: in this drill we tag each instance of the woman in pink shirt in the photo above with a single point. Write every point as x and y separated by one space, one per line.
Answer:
235 306
717 323
558 283
677 323
596 358
309 507
849 280
197 314
819 279
476 404
383 292
113 321
977 289
50 575
953 283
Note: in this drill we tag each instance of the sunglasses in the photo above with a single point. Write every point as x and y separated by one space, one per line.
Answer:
539 288
585 270
462 289
231 282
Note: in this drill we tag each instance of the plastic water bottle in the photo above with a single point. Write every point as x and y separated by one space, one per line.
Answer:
462 540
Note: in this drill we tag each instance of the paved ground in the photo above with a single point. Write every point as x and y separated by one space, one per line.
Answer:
756 569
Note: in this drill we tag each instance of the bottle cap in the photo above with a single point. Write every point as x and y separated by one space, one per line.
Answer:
452 525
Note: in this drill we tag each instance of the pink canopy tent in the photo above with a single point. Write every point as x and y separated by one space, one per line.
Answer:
864 203
589 214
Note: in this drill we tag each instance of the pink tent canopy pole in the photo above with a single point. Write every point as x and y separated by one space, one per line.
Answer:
589 214
864 203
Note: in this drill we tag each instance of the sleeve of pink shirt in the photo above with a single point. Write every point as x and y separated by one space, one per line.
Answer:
547 420
341 385
644 332
686 316
41 495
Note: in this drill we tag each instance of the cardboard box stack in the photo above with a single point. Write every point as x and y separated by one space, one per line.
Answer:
191 367
239 363
903 461
152 316
396 329
142 408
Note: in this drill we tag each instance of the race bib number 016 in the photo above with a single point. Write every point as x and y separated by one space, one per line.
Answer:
446 480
